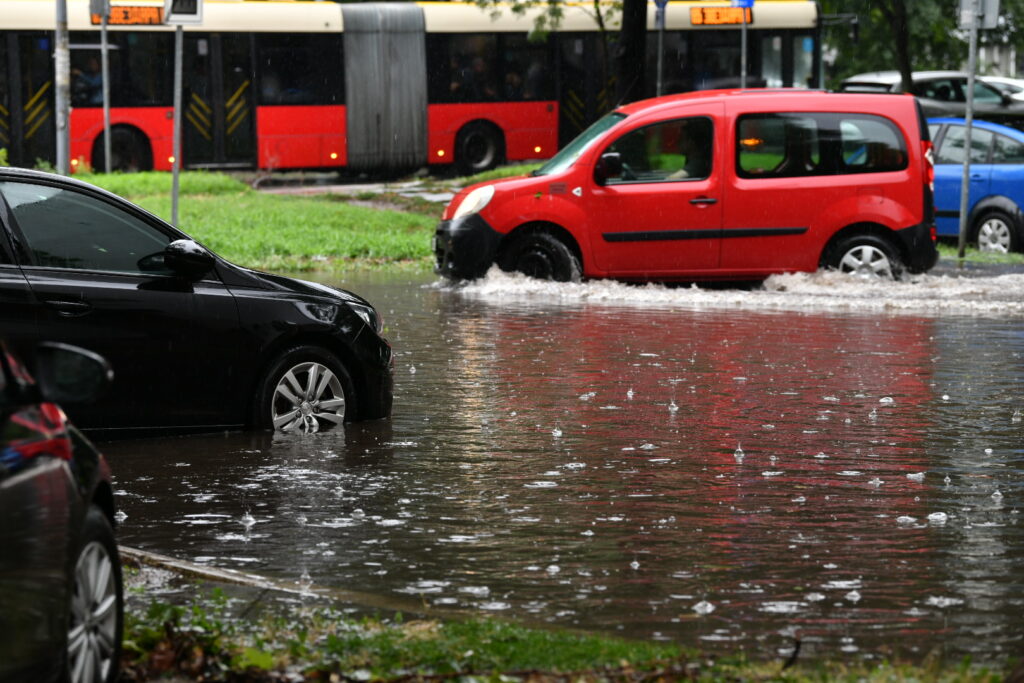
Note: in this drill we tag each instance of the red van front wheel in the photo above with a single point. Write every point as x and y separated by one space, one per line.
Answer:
542 256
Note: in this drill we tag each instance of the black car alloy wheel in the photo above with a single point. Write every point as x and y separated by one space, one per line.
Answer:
97 605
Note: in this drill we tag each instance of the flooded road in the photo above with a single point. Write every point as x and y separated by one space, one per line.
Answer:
823 459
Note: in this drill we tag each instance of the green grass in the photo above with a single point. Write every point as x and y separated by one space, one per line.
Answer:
278 232
949 251
204 641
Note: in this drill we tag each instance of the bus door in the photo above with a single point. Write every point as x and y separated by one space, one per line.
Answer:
385 85
217 102
27 127
586 88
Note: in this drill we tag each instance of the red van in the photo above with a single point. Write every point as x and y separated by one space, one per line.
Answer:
714 185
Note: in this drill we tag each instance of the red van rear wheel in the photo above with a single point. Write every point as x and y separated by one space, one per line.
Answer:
867 256
543 256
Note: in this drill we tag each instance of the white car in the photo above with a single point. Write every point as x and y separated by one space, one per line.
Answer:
1014 87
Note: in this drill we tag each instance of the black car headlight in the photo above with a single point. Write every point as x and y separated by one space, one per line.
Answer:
368 314
323 313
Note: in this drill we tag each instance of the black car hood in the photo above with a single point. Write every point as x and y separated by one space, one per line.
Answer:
239 276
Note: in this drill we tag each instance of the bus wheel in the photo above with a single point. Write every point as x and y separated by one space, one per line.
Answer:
129 152
543 256
478 147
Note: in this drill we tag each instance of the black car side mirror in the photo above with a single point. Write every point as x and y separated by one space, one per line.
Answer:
608 166
188 259
68 374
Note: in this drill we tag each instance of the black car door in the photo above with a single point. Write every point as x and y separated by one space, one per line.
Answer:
171 341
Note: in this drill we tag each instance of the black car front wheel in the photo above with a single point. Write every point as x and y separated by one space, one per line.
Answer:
306 390
97 605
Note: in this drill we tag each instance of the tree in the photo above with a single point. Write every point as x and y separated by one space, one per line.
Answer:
907 36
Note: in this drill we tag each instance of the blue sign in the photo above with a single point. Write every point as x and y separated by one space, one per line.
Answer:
742 3
661 3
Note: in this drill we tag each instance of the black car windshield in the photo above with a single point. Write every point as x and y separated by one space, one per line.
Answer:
571 152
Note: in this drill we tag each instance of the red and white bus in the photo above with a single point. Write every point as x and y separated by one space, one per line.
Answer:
363 86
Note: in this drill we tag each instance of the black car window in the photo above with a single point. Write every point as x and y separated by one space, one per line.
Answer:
680 149
951 151
67 229
1007 151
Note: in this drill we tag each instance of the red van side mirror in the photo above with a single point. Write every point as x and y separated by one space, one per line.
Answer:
608 166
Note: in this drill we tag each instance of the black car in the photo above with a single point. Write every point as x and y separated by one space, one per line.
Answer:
198 343
61 597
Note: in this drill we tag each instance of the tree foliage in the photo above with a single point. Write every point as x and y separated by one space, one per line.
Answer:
928 39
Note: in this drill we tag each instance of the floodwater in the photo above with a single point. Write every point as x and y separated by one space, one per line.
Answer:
823 459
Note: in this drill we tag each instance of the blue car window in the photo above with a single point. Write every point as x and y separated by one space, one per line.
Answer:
951 151
1007 151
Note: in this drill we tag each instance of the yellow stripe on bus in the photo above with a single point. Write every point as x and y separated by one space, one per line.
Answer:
32 131
238 93
198 127
39 93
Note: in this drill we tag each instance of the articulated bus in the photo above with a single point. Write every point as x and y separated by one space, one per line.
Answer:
373 87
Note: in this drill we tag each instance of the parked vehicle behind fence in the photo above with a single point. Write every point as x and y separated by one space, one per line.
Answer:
721 185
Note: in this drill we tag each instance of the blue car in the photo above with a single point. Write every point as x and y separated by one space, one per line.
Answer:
995 221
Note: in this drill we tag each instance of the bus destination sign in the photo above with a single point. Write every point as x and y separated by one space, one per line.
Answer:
719 16
125 15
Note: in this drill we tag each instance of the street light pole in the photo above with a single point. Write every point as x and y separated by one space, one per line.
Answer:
62 77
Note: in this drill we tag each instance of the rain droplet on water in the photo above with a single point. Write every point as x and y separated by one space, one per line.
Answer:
248 520
634 565
875 482
904 519
997 495
630 394
886 399
739 453
1017 416
703 607
916 476
938 518
853 596
672 407
556 432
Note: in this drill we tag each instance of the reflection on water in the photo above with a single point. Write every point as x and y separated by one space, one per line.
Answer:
716 475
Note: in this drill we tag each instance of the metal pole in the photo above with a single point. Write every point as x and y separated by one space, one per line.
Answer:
62 77
968 122
105 65
660 18
743 50
179 48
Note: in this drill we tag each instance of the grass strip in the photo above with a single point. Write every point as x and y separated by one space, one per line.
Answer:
279 232
204 642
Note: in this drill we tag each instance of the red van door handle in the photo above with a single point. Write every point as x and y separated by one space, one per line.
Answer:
704 200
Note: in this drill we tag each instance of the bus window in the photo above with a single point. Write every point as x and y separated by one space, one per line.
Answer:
300 68
138 66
